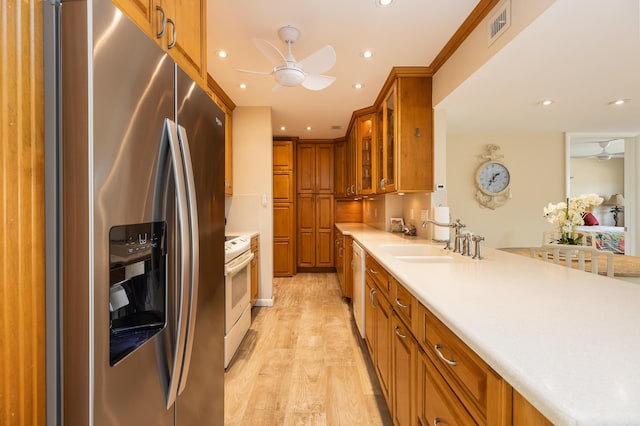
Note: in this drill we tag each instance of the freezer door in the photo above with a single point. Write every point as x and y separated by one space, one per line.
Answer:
201 400
117 90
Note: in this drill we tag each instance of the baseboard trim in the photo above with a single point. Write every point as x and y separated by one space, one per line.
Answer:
264 302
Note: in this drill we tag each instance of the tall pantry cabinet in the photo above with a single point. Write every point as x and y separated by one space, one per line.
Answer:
284 217
314 177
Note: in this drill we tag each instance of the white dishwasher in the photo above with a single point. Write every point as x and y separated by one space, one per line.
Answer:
358 286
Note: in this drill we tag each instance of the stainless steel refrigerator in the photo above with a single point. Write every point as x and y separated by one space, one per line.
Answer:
139 154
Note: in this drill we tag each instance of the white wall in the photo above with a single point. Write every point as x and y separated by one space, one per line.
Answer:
475 51
632 191
536 163
590 175
252 180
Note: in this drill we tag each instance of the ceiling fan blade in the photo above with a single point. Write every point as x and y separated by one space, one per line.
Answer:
317 82
255 72
277 88
320 61
270 51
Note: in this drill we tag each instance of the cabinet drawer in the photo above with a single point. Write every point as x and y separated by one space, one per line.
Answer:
403 303
440 404
379 275
466 373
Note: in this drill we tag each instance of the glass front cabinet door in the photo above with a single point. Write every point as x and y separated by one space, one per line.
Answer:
386 149
366 154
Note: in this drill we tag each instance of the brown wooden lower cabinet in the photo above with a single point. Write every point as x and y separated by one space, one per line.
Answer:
378 335
525 414
343 255
283 240
338 249
436 402
315 230
426 373
255 269
383 344
404 350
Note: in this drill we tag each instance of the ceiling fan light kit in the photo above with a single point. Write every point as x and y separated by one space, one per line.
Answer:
291 73
289 76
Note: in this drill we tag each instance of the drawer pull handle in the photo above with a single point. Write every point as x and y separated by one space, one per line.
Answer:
442 357
400 304
436 421
400 335
373 271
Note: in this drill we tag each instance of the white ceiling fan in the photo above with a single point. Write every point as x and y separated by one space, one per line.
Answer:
604 154
289 72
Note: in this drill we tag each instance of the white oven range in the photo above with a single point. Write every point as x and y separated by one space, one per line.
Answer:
237 289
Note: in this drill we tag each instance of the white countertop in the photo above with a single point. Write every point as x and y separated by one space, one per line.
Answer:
249 234
567 340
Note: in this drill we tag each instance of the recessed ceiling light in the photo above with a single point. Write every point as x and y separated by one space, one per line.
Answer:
619 101
222 54
283 128
243 86
546 102
367 54
308 127
383 3
358 86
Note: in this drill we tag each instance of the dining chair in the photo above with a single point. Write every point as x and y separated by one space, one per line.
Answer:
574 256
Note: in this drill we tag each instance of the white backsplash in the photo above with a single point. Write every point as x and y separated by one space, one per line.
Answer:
380 208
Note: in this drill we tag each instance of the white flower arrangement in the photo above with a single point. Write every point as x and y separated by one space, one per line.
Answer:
567 215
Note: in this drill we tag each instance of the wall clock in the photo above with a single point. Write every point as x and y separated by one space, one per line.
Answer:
493 180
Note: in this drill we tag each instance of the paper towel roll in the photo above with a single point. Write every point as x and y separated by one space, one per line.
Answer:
441 214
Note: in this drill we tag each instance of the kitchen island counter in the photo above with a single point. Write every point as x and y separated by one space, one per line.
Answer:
567 340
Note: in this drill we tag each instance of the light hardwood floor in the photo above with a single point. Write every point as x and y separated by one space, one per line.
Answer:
302 362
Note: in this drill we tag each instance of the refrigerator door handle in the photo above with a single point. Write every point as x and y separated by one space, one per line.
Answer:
195 255
185 266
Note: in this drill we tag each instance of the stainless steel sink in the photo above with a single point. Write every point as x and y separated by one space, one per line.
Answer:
425 259
413 250
417 253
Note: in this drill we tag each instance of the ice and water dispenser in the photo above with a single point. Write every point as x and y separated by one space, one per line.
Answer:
137 286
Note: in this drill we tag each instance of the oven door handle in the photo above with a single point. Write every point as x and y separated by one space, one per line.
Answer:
238 263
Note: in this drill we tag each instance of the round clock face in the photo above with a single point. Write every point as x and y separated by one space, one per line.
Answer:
493 177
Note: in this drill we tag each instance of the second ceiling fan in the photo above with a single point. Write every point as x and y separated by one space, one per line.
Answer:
604 154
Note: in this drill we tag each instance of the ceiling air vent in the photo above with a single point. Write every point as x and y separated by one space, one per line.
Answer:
499 21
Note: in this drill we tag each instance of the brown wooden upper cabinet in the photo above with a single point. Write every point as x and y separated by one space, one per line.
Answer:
283 184
340 167
314 168
365 154
178 26
389 145
386 146
405 117
283 155
351 174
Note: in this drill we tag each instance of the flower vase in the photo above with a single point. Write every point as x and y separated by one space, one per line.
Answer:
570 238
